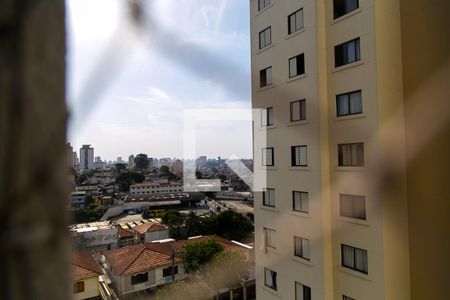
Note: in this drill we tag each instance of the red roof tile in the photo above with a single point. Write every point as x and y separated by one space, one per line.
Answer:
84 266
135 259
149 227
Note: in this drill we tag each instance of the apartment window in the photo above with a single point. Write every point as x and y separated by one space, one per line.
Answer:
351 154
302 292
270 278
267 116
343 7
168 271
347 53
347 298
299 156
263 3
265 37
269 197
295 21
349 103
139 278
298 110
354 258
267 157
297 65
270 237
301 247
78 287
300 201
265 77
353 206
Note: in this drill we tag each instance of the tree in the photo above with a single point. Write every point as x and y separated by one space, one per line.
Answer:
196 254
222 177
174 219
119 167
232 225
125 179
198 175
192 290
164 170
194 225
225 270
141 161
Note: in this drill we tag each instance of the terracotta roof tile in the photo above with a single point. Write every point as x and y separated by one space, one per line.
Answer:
135 259
122 232
84 266
149 227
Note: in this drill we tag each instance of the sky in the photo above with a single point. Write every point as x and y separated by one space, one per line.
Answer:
129 80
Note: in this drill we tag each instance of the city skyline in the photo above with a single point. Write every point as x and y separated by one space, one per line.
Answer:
117 101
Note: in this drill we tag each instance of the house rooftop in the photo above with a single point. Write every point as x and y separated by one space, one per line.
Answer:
149 227
84 266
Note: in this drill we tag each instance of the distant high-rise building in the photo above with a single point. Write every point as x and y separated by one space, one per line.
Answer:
86 157
131 163
155 163
177 168
75 161
98 159
165 162
69 151
119 159
150 164
201 160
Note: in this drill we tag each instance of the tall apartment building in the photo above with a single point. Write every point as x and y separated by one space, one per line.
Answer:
86 157
343 90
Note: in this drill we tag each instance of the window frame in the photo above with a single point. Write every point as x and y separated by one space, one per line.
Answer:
266 2
355 161
306 291
78 287
264 162
264 78
301 206
337 15
302 110
340 61
295 27
294 156
297 65
169 270
352 198
354 267
135 279
348 94
263 34
302 253
270 236
265 119
267 200
274 284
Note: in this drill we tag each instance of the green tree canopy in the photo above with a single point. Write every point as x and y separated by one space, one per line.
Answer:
196 254
232 225
119 167
141 161
164 170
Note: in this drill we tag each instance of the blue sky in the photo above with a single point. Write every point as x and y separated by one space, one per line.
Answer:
128 84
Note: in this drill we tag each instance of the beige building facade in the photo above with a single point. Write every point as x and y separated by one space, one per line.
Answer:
338 218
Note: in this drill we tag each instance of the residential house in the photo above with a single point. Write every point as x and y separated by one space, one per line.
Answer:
137 267
126 237
150 231
85 276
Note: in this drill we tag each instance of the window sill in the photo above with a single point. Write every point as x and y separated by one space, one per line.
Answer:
346 16
267 127
347 66
269 168
299 168
301 214
265 88
271 291
298 32
264 9
353 220
350 117
264 49
269 208
296 123
355 273
295 78
351 169
302 260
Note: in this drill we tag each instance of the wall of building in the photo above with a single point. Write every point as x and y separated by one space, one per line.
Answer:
91 289
156 235
426 73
